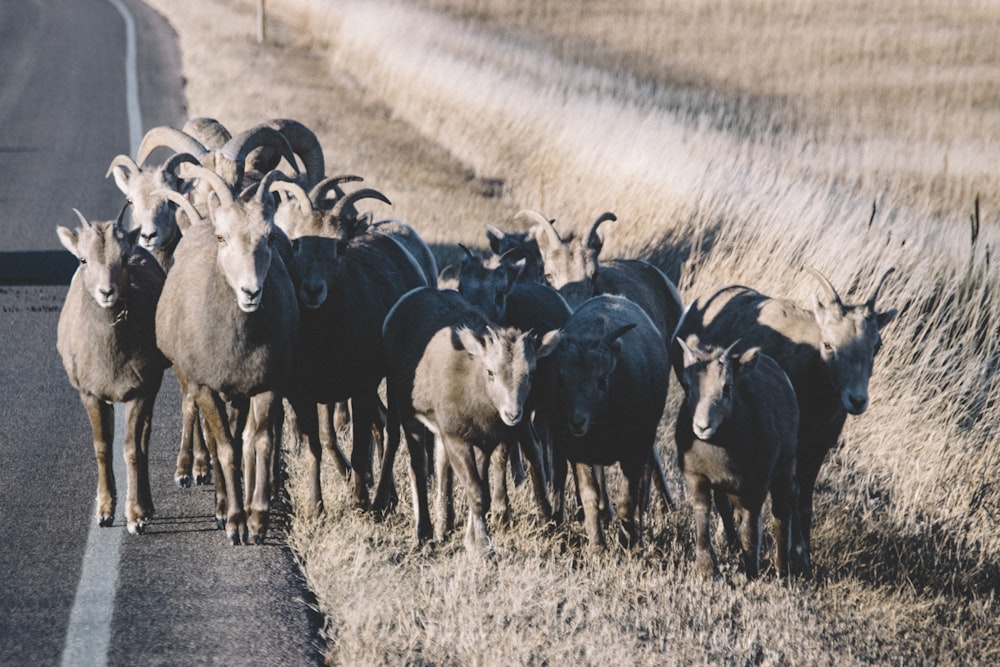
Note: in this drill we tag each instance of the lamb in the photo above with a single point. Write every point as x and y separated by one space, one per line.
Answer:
228 320
107 342
736 437
604 390
346 286
828 354
465 380
502 242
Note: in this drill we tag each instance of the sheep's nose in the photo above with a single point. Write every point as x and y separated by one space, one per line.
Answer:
250 294
511 417
107 293
857 404
147 239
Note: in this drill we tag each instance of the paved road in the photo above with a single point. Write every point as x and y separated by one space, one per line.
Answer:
179 594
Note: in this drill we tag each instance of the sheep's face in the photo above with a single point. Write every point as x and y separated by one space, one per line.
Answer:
487 287
522 243
245 235
152 214
570 266
103 249
850 337
709 382
584 381
507 359
315 265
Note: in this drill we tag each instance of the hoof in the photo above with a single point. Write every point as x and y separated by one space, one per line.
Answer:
202 479
105 521
183 481
137 528
220 522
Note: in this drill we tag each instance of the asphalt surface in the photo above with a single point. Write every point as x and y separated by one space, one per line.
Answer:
183 595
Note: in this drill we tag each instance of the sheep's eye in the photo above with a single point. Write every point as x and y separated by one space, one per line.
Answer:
489 374
130 202
549 277
220 238
295 244
83 260
602 383
827 347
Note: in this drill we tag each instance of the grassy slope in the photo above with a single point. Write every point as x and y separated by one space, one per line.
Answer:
720 175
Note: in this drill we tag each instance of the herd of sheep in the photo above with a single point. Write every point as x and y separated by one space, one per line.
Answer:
277 303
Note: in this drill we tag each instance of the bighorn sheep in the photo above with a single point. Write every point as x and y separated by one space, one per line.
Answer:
154 217
464 379
736 436
493 287
107 342
228 320
502 242
346 286
603 396
828 353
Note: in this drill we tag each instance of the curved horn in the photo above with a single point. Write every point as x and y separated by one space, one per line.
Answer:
594 239
620 331
527 218
321 190
169 137
123 161
209 131
83 219
182 201
550 230
121 218
304 144
349 200
222 189
871 301
176 160
725 353
831 292
468 252
236 150
293 188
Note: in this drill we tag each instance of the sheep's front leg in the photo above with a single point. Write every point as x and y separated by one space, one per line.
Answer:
589 488
531 446
260 443
700 491
307 418
102 423
629 508
498 484
328 435
138 498
749 531
217 423
463 461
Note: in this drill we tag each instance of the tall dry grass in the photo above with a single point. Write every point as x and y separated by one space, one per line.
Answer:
737 142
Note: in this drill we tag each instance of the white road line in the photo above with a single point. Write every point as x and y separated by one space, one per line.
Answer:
89 631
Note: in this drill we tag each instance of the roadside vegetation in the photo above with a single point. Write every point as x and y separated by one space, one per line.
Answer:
737 143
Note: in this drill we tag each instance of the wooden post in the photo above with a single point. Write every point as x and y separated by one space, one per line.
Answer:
261 22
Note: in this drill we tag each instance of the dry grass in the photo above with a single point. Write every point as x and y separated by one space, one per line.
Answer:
736 142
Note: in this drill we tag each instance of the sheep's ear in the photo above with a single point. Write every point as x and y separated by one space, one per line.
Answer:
470 342
882 319
747 361
448 275
549 343
494 236
68 238
689 357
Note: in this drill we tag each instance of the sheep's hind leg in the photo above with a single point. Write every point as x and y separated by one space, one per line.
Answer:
102 422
